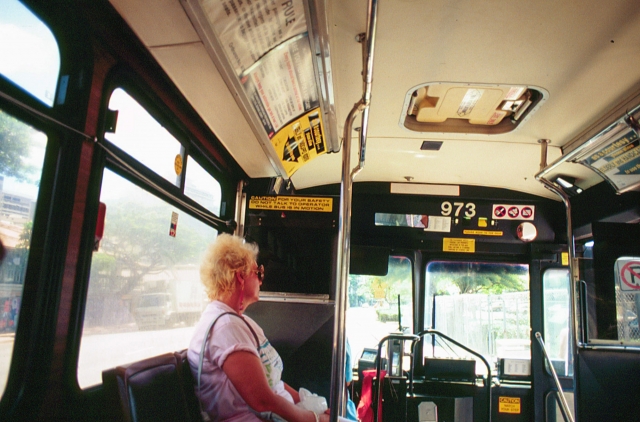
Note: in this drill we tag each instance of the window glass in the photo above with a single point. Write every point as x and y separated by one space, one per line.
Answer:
202 187
29 52
373 305
144 292
141 136
627 276
21 159
555 286
484 306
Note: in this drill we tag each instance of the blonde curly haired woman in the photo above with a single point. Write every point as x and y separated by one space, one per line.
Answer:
237 370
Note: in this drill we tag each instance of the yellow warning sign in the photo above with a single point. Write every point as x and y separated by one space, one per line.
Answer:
565 258
458 245
300 141
291 203
177 165
482 232
509 405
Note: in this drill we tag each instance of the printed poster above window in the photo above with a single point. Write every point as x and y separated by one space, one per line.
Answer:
267 44
616 157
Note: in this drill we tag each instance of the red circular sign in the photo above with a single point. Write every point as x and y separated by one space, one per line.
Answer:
514 212
500 211
632 270
526 212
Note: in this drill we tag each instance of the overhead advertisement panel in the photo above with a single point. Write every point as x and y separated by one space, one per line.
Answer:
616 157
266 42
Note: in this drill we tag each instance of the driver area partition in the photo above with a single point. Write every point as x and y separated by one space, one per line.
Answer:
302 334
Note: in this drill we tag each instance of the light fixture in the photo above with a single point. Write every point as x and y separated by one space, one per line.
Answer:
568 184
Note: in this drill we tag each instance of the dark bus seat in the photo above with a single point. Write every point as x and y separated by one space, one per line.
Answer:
153 389
188 384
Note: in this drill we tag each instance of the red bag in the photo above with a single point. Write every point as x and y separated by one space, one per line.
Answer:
365 406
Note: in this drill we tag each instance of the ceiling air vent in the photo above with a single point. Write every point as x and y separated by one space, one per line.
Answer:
469 108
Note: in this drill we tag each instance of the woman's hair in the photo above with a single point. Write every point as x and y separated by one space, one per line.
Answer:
224 257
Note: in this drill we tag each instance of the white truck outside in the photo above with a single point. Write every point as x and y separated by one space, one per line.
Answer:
182 299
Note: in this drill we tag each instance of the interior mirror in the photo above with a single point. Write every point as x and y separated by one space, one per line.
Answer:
527 232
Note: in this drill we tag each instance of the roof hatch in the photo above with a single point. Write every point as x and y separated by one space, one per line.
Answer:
469 108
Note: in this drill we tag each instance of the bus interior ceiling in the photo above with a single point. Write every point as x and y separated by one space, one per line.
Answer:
485 121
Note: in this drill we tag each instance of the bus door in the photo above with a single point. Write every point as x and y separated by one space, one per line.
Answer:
608 364
550 316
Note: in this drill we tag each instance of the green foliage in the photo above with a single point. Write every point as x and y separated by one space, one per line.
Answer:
398 281
471 277
136 243
15 138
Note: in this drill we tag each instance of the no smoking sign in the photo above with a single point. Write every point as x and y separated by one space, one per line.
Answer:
513 212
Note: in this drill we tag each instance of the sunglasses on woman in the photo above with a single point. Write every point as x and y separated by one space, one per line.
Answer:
259 272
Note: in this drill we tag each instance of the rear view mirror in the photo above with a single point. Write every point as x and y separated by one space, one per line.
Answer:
369 260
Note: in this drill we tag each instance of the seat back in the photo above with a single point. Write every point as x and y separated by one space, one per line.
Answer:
188 386
149 390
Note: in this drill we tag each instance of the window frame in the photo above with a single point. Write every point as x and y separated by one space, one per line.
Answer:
122 164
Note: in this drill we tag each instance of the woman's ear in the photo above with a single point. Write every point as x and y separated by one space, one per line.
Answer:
239 278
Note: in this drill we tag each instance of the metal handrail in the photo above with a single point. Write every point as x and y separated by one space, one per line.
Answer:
337 396
563 401
377 393
430 331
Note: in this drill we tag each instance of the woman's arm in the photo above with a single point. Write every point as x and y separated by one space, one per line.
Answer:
245 371
294 393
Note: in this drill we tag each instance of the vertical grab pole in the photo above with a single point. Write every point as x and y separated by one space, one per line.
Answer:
338 386
336 400
576 334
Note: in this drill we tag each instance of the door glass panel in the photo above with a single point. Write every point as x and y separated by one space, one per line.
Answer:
483 305
144 292
556 314
21 158
373 305
627 276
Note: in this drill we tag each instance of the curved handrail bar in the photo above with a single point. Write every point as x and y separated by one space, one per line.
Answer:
430 331
377 393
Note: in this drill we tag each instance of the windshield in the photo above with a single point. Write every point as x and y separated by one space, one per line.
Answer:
483 305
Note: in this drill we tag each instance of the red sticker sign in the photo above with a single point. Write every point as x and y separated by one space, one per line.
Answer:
513 212
630 276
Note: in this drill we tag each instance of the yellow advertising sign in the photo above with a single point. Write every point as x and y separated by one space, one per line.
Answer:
509 405
482 232
458 245
300 141
291 203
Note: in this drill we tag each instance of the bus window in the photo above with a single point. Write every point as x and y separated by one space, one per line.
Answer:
202 187
144 291
373 305
483 305
30 56
21 158
138 134
556 314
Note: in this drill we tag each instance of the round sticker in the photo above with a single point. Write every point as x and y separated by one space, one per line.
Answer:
177 165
